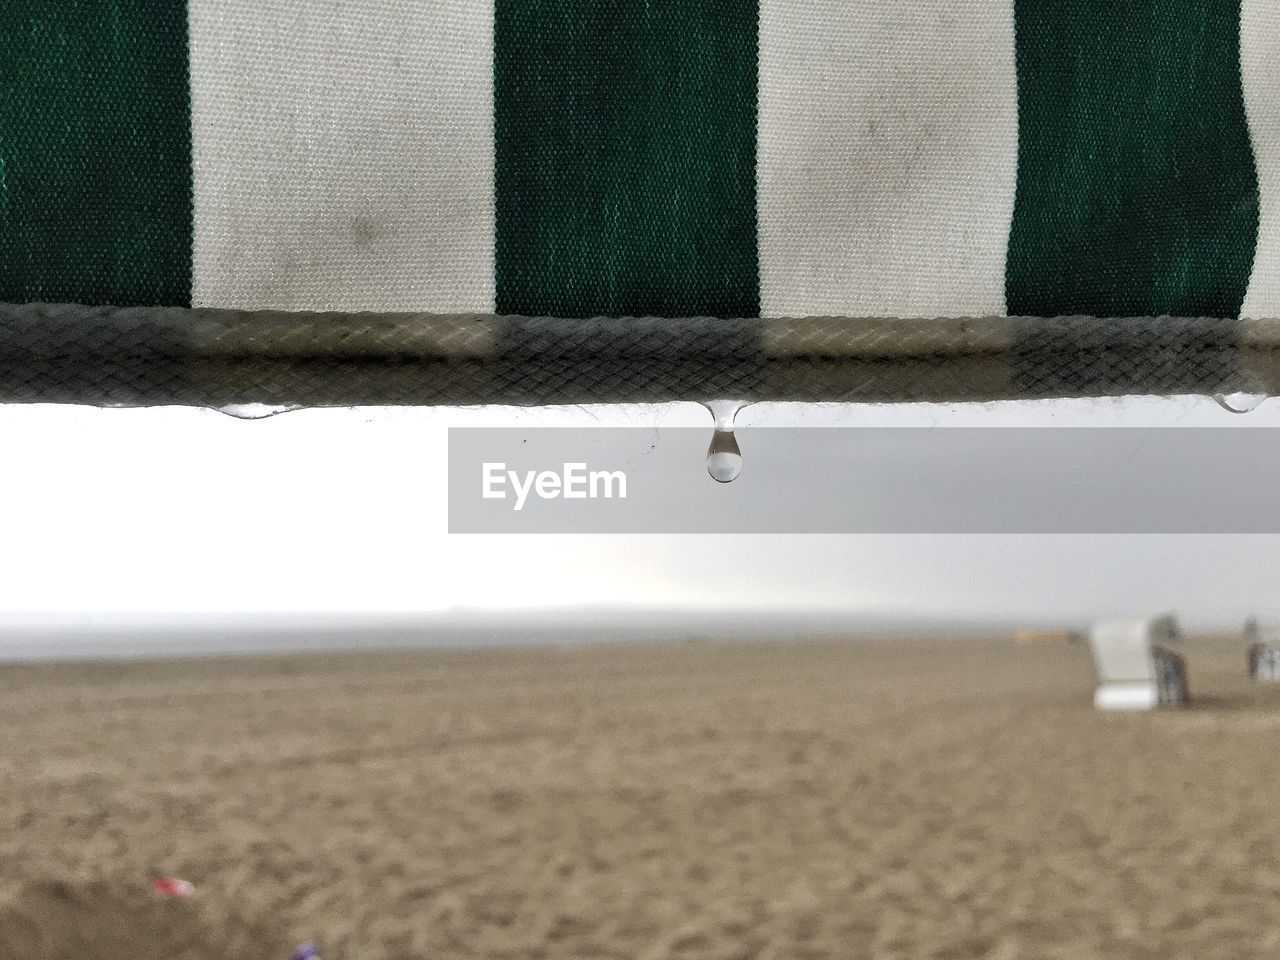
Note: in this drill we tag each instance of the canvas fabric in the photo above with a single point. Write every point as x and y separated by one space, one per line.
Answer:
579 158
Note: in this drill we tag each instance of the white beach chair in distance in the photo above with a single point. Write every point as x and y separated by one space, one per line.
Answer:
1136 668
1262 634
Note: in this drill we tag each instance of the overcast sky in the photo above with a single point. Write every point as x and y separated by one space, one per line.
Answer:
151 512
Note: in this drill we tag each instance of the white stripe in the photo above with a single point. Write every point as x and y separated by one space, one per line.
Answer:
343 154
1260 70
887 156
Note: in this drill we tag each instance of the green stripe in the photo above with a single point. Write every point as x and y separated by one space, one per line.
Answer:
1137 193
625 157
95 152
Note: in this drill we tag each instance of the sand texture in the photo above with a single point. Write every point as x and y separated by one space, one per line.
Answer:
905 799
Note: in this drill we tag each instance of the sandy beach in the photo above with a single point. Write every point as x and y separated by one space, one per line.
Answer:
943 799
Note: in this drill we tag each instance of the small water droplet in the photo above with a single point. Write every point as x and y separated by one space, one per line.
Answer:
254 411
1241 402
724 456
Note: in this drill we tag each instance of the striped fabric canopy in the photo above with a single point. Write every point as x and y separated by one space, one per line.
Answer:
574 158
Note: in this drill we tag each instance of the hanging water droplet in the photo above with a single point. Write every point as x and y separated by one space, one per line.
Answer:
1240 402
254 411
724 457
